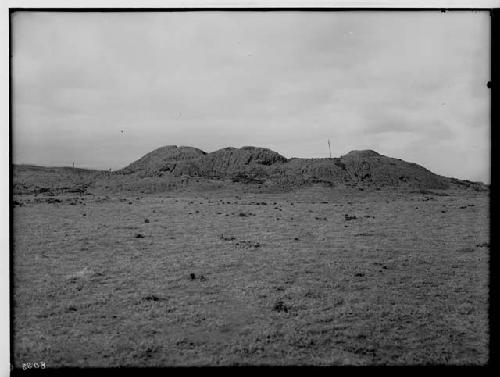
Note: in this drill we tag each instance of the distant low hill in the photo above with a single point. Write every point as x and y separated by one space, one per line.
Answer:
28 179
173 167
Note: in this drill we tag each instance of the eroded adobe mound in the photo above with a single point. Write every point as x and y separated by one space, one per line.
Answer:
193 162
172 167
370 168
364 168
162 159
240 162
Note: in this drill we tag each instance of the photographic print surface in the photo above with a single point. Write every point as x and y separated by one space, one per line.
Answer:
210 188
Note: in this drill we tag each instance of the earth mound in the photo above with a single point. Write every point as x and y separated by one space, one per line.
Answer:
241 163
161 159
193 162
369 168
172 167
358 168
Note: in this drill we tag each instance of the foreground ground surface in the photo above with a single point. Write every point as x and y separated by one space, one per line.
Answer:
278 279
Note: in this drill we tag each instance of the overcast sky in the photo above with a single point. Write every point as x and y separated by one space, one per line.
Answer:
409 85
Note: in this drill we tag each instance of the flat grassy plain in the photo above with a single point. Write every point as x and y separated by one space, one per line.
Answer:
279 279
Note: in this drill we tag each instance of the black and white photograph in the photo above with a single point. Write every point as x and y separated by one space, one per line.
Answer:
249 187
